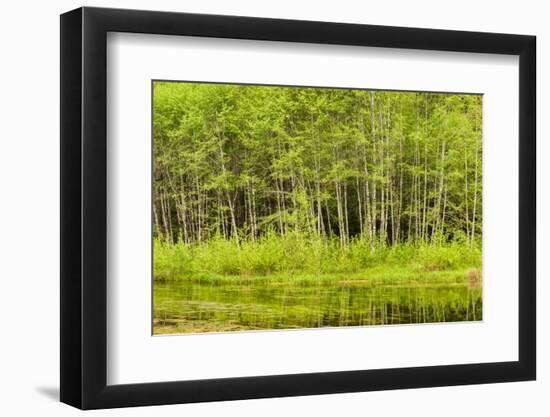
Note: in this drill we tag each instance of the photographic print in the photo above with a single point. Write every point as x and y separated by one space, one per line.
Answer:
313 224
282 207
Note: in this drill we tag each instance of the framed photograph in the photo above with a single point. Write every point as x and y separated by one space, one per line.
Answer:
257 208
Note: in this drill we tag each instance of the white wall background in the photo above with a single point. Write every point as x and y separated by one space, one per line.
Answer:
29 233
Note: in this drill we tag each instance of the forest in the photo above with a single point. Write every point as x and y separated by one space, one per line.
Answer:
259 181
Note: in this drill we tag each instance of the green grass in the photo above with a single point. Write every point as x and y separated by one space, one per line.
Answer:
374 276
300 282
304 260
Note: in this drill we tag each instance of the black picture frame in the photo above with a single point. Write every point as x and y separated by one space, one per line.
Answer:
84 207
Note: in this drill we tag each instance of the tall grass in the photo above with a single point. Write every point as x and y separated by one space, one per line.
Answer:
300 254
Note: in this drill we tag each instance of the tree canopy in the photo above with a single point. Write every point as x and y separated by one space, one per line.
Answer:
241 161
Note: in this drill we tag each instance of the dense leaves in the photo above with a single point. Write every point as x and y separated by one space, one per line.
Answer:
239 162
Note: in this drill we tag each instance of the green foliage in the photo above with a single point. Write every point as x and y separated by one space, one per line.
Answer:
284 207
297 254
241 162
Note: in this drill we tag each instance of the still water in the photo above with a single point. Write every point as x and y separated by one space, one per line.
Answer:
190 307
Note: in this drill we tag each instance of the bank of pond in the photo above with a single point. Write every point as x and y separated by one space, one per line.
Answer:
200 303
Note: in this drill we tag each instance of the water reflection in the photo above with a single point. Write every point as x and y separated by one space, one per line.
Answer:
185 307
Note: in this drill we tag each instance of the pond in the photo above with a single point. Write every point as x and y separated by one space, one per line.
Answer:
191 307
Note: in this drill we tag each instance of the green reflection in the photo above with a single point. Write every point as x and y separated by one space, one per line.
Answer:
242 304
